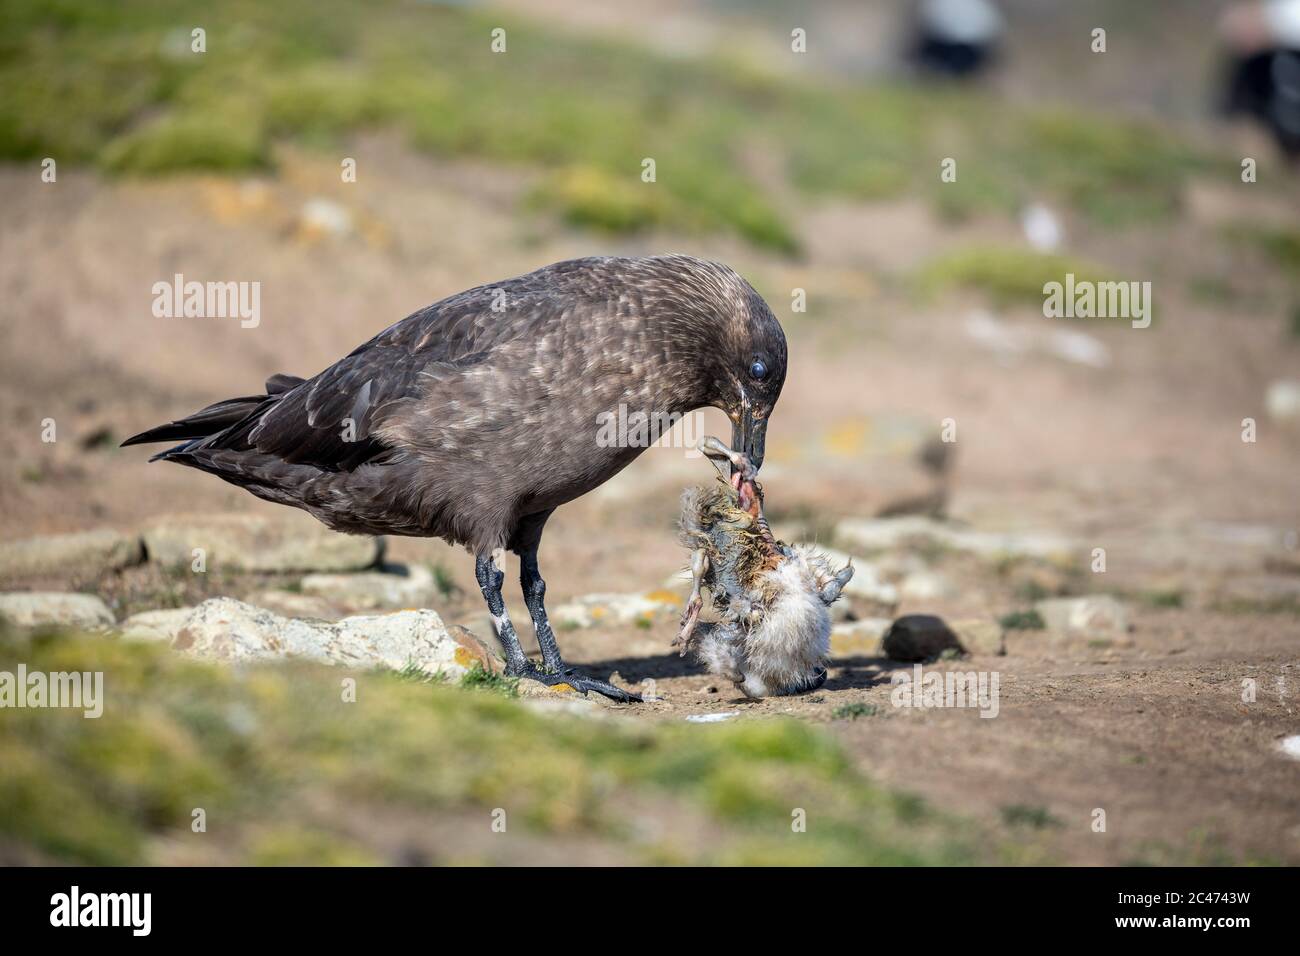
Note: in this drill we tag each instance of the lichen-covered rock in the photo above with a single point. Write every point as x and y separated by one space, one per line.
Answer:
595 609
561 700
527 687
280 541
230 630
395 586
83 552
472 650
54 608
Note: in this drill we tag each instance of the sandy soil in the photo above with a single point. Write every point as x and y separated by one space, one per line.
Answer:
1153 732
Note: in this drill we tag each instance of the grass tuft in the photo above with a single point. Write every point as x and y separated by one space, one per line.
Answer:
1033 817
1008 275
1028 620
254 746
479 677
854 711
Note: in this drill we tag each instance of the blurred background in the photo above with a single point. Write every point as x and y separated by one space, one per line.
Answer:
807 161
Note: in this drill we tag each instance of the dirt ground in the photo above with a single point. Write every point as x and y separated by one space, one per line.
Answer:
1142 457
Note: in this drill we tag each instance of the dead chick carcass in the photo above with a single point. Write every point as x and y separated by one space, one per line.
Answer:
772 636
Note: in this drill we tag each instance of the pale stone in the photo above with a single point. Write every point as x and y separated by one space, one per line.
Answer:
54 608
858 637
230 630
979 636
597 609
867 582
1095 613
926 586
881 534
396 586
160 625
292 604
84 552
1283 400
286 541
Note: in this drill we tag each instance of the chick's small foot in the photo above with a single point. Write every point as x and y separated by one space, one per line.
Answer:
570 677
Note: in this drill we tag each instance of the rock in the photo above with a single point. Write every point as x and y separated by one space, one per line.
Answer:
473 650
1041 226
230 630
482 623
395 586
880 534
593 609
1093 614
858 637
896 565
84 552
1013 341
56 608
926 586
561 699
866 583
1078 347
919 637
536 692
292 604
161 625
883 534
323 218
1283 400
872 626
980 636
287 541
527 687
